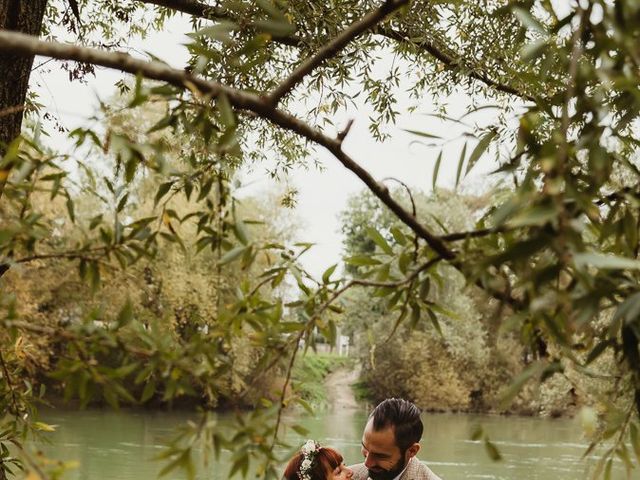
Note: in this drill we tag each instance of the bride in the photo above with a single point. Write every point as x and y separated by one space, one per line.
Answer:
314 462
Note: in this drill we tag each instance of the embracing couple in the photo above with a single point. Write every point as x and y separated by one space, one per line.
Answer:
390 442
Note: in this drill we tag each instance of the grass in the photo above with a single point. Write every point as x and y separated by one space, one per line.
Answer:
310 371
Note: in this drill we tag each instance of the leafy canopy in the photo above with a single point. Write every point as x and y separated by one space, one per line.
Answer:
558 248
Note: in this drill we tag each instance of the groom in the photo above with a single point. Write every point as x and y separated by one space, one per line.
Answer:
390 443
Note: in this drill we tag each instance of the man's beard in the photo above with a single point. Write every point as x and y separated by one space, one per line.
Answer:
388 474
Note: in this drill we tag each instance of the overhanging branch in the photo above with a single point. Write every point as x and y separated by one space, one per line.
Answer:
208 12
29 45
192 7
450 61
334 46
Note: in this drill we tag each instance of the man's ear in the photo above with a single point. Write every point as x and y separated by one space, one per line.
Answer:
413 450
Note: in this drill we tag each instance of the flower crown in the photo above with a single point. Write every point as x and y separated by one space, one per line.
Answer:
308 450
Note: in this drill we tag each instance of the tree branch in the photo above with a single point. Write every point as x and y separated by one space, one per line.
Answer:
192 7
71 254
334 46
484 232
208 12
450 61
29 45
372 283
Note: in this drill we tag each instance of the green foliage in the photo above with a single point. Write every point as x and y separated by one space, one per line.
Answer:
554 249
310 372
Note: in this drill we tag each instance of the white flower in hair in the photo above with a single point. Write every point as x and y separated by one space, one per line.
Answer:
308 450
309 447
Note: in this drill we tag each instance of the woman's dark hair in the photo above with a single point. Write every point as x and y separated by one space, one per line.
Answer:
324 461
403 416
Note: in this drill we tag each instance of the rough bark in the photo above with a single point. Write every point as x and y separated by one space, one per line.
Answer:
25 17
15 70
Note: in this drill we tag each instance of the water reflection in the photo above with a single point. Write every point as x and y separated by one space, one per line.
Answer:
120 445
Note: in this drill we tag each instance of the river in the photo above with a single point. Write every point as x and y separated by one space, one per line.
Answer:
120 445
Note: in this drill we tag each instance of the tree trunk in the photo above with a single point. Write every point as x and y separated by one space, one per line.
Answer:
25 17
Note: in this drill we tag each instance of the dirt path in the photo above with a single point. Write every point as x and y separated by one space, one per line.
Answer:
339 392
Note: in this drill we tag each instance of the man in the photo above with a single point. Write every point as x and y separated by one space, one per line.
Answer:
390 443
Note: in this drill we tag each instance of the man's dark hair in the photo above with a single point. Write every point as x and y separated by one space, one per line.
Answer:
403 416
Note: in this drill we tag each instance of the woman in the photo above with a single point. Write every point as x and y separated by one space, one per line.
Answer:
314 462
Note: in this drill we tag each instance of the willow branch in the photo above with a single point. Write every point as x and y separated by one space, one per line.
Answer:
334 46
371 283
414 211
71 254
323 308
287 380
71 336
576 54
29 45
560 169
484 232
192 7
382 192
449 60
208 12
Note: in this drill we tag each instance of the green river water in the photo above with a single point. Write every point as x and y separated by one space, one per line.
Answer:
120 445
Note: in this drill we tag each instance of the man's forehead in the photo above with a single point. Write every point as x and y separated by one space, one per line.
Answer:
379 441
376 450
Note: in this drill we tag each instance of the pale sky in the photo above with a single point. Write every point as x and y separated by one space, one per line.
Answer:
322 195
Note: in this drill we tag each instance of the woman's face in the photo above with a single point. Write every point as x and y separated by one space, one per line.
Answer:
341 472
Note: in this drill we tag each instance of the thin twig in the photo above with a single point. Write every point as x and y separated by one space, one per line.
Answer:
484 232
414 210
563 152
192 7
576 53
281 406
333 47
370 283
343 133
71 254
